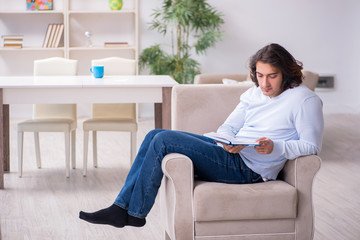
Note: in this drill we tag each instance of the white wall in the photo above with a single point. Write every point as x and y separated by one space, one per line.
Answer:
323 34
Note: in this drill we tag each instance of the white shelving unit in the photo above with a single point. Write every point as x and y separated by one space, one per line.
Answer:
78 17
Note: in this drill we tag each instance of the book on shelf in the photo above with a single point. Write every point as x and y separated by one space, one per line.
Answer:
53 35
59 34
56 30
116 44
18 45
12 41
19 37
47 35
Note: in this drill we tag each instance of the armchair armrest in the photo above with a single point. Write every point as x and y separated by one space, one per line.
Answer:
300 173
176 196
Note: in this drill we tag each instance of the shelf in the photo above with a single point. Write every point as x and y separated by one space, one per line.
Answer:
2 49
33 12
78 17
101 48
103 12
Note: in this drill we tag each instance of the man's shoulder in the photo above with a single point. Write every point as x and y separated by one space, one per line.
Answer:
303 92
251 92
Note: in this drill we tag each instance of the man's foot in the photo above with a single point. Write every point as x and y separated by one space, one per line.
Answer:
135 222
113 215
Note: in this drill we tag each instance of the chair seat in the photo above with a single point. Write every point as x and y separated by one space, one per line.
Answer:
268 200
110 124
46 125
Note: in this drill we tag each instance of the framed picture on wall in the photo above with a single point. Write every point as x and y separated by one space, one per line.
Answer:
39 5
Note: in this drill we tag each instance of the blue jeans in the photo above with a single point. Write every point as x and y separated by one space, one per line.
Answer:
211 163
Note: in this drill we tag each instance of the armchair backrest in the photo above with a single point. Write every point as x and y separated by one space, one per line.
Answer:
203 108
310 78
216 78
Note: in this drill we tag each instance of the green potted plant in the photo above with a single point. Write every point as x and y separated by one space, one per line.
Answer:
194 26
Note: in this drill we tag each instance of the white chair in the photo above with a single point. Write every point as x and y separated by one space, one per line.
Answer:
112 117
51 117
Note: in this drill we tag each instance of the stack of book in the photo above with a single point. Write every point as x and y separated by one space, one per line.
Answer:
116 44
13 41
53 35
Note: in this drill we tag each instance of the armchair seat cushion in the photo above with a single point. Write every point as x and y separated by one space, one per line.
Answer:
226 202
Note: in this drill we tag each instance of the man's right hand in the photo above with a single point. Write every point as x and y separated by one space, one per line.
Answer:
233 148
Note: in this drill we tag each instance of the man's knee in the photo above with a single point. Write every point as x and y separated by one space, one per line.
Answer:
167 136
154 132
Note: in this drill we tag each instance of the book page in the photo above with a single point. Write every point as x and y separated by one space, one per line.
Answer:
230 140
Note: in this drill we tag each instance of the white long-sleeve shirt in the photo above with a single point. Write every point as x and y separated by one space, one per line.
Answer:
293 120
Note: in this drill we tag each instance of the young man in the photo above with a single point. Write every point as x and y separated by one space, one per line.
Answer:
280 113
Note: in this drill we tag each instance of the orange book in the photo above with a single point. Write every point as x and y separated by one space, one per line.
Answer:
13 45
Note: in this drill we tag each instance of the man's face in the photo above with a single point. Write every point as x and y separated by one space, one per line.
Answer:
269 78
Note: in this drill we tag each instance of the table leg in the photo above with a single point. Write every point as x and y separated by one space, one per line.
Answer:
1 141
158 115
163 110
6 137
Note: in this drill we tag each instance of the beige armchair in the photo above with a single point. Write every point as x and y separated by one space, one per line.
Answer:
192 209
310 78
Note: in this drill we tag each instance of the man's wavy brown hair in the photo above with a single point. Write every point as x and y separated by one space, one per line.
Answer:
280 58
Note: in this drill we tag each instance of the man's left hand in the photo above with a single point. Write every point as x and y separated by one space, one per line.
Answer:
266 146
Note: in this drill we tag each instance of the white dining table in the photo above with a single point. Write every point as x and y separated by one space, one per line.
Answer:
81 89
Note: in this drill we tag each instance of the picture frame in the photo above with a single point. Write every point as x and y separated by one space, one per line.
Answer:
34 5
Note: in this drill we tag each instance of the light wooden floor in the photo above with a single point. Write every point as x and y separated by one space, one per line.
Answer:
43 204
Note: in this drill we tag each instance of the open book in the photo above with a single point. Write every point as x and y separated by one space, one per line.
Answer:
230 140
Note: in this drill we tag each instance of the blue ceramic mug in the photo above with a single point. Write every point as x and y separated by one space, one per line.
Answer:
97 71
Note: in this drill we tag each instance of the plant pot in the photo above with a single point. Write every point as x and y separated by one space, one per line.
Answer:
115 4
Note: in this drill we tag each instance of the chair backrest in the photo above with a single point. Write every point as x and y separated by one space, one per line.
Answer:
310 79
115 66
114 110
55 66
